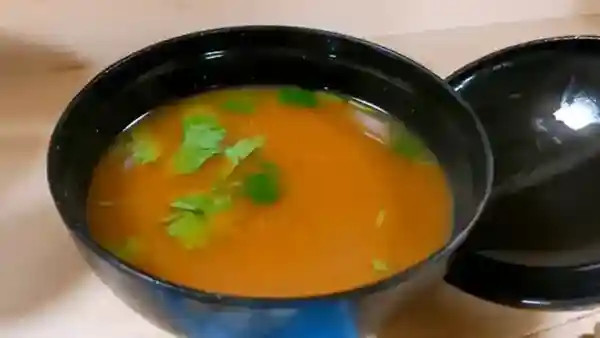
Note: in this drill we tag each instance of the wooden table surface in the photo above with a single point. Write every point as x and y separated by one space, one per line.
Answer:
46 291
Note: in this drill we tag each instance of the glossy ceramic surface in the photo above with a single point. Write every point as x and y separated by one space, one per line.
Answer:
263 55
538 242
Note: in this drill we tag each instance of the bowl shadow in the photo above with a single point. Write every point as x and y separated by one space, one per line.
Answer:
442 311
20 56
36 82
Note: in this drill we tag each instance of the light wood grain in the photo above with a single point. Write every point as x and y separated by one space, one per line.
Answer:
103 30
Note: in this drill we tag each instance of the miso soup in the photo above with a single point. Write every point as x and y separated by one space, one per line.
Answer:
269 191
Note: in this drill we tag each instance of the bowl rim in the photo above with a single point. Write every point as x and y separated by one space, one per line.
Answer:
272 302
487 59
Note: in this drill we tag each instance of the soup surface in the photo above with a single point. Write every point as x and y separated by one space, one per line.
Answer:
272 192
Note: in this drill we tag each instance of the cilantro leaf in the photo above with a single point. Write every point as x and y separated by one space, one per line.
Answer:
299 97
202 203
188 159
243 148
195 203
200 118
240 105
379 265
189 228
202 137
128 249
406 144
263 187
189 224
170 218
143 149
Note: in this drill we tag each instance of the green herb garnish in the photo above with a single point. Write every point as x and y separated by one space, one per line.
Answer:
202 137
202 131
243 148
205 204
189 228
406 144
298 97
188 159
128 249
263 187
189 223
143 149
240 105
379 265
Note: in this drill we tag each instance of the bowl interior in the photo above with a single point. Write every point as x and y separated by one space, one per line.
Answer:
261 56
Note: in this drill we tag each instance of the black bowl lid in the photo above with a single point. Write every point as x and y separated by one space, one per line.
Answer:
537 244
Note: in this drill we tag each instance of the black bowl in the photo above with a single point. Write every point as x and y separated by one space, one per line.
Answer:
537 245
260 55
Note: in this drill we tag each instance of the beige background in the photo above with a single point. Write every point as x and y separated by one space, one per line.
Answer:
49 48
100 31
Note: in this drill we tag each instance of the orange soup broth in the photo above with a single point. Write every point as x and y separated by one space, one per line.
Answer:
346 201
